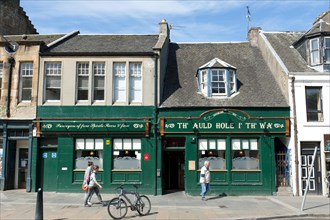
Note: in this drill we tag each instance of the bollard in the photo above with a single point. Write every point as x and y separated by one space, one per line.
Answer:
39 206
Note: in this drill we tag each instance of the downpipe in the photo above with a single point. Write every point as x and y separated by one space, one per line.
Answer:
11 62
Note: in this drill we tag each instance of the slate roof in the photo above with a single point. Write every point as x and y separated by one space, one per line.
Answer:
33 38
282 44
104 44
257 86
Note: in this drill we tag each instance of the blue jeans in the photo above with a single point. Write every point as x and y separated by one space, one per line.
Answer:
205 188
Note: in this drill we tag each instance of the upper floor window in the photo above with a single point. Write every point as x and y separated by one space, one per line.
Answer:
53 81
25 85
83 81
314 104
327 49
315 51
1 72
217 78
135 82
119 74
99 75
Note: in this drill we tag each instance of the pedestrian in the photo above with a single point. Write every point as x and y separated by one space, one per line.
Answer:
205 178
93 187
87 175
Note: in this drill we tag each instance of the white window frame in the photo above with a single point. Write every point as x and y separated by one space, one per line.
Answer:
90 145
315 51
52 70
218 82
135 85
327 49
82 71
319 110
119 82
26 74
1 74
98 74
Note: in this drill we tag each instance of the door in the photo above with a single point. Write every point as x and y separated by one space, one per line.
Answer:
174 170
22 167
49 169
315 183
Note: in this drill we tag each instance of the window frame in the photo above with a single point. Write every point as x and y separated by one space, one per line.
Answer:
52 70
82 72
119 87
135 89
89 145
247 145
206 146
126 146
98 71
1 77
326 50
25 75
318 111
315 60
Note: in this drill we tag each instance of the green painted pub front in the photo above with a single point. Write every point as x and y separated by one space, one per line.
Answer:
239 143
118 139
161 152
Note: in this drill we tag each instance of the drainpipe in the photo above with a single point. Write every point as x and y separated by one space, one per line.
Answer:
11 62
295 133
155 122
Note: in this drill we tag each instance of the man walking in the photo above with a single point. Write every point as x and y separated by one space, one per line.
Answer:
205 179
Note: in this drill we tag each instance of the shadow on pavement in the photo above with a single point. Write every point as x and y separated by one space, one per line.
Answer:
217 197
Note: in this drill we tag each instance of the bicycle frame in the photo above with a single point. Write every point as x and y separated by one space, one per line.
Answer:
123 195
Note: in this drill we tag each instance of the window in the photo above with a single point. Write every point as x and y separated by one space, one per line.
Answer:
1 72
83 81
1 153
327 49
126 154
135 74
245 154
119 72
218 81
213 150
99 75
315 51
25 90
314 104
89 149
53 81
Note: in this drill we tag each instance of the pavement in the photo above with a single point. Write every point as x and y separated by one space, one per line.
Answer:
19 204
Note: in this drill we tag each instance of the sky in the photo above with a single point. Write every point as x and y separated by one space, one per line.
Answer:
190 21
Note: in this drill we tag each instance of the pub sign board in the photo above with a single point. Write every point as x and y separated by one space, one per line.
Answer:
225 121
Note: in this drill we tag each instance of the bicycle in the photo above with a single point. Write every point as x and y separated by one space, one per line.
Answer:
117 207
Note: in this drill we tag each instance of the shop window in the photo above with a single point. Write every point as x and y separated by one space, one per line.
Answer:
53 81
126 154
89 149
245 154
25 85
213 150
314 106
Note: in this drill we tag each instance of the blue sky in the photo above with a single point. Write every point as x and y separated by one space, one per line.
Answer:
190 21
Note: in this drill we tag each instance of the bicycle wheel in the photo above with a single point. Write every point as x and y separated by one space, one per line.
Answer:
143 205
117 208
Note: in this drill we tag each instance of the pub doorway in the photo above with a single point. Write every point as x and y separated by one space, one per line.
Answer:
174 164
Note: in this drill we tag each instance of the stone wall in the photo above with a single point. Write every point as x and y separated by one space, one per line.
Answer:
13 19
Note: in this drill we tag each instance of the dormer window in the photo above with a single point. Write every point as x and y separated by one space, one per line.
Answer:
217 78
315 51
327 49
